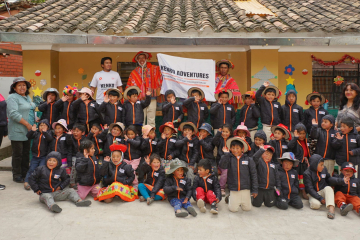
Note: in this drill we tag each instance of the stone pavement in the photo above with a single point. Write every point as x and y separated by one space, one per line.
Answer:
22 216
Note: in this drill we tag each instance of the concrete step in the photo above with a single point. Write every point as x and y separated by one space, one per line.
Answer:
5 164
5 149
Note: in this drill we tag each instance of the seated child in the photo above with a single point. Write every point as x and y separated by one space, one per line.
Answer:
243 132
148 147
178 189
197 111
292 113
134 108
39 148
315 111
65 105
50 183
268 177
88 170
279 137
317 181
206 146
188 144
271 111
222 112
325 136
112 134
250 113
96 136
289 183
166 145
172 111
242 178
259 139
151 190
206 187
117 177
111 107
48 108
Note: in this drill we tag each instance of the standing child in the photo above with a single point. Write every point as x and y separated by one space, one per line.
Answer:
242 179
40 147
178 189
293 113
197 111
206 187
172 111
250 113
222 112
111 135
315 111
96 136
88 170
50 181
151 190
206 146
166 145
48 108
148 147
111 107
65 105
280 135
243 132
259 139
271 111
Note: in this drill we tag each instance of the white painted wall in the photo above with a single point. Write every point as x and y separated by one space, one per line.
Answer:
5 83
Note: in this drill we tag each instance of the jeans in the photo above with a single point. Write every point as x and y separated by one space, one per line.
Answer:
20 158
35 162
178 203
145 192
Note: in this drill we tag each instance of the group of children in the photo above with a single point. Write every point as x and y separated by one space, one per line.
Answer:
105 151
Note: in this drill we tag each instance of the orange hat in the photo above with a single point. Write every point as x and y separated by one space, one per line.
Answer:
167 124
227 62
249 93
148 56
118 147
284 128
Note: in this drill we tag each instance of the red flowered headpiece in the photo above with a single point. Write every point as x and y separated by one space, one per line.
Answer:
148 56
118 147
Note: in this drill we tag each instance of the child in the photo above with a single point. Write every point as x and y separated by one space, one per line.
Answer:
39 149
132 155
325 136
111 107
222 112
96 136
178 189
50 181
315 111
250 113
347 190
271 111
188 144
134 109
300 147
148 147
289 183
172 111
65 105
206 146
166 145
317 181
88 170
243 132
268 177
86 109
206 187
219 141
117 177
197 111
259 139
241 176
280 134
292 113
112 135
58 144
151 190
48 108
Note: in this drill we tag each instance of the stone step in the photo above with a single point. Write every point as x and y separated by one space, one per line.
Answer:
5 164
5 149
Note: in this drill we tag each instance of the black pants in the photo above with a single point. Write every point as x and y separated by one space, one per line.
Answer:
266 196
294 201
20 158
140 172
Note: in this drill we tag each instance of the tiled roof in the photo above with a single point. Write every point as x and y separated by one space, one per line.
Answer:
126 17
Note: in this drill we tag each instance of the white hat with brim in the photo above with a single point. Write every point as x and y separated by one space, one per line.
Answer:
121 125
228 91
116 90
130 88
61 122
51 90
85 90
287 156
190 124
272 87
323 99
243 141
198 89
19 79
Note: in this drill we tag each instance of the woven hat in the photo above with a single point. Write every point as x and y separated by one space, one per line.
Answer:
190 124
290 157
121 125
116 90
222 90
130 88
196 88
272 87
227 62
284 128
242 140
322 97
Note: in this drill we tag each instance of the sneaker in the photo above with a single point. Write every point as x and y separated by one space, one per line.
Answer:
142 199
26 186
2 187
181 214
83 203
201 205
214 209
149 201
223 193
345 208
192 211
55 208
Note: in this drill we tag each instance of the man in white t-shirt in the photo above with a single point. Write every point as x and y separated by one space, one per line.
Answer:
105 79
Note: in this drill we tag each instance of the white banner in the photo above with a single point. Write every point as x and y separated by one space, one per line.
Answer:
181 74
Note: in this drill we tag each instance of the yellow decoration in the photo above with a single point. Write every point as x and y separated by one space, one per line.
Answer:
290 80
76 84
80 70
37 91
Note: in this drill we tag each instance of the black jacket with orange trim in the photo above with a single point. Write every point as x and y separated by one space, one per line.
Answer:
109 140
221 114
267 172
133 150
134 113
271 112
219 142
149 146
325 141
41 142
122 173
295 147
59 145
210 183
280 148
350 142
206 148
98 141
189 152
171 185
66 112
88 170
292 114
289 183
249 115
197 113
240 171
113 112
154 178
312 113
50 111
167 147
86 114
172 112
352 188
74 144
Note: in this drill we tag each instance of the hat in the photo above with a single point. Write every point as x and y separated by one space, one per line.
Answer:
146 129
207 127
62 122
322 97
51 90
190 124
290 157
116 90
148 56
196 88
16 80
348 165
69 89
130 88
175 164
269 147
118 147
223 90
242 140
228 62
86 90
284 128
277 93
167 124
242 127
249 93
121 125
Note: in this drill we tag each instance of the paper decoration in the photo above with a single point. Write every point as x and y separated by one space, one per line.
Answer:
37 73
76 85
42 82
304 71
37 100
81 70
290 80
37 92
290 84
264 75
338 80
289 70
83 77
334 63
32 82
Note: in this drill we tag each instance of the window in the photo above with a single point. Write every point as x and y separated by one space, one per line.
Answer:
125 68
323 80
